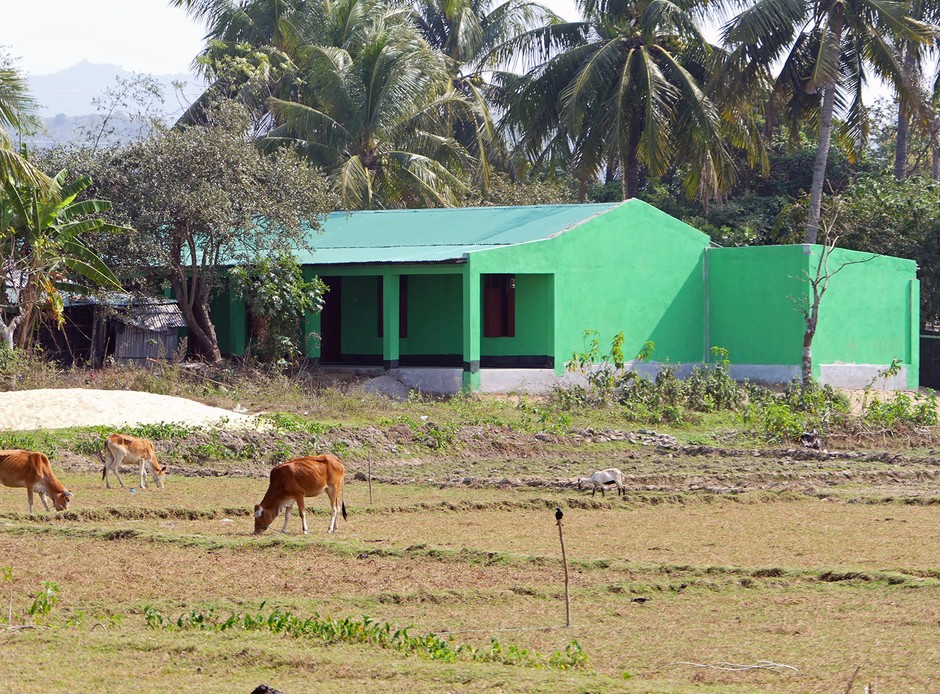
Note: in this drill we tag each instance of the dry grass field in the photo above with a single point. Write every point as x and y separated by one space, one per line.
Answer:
825 584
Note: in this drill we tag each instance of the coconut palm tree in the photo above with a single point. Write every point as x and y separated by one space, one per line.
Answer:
914 54
628 85
375 113
828 49
475 35
16 112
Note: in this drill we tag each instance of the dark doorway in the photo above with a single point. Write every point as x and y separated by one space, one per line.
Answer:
331 327
499 305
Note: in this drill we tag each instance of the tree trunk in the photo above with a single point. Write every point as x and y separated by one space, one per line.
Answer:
210 347
630 171
935 158
904 117
195 311
806 375
819 167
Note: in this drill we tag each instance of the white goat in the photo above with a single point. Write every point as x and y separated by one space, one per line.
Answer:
601 478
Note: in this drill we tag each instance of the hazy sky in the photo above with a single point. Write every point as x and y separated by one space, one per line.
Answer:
137 35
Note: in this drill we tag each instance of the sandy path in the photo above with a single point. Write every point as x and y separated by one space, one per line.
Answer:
71 407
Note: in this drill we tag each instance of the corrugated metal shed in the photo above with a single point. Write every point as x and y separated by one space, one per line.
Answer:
153 314
437 235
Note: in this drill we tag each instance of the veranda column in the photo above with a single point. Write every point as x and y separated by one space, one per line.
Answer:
390 320
472 330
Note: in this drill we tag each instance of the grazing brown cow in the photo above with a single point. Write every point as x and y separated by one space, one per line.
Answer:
123 448
31 469
296 479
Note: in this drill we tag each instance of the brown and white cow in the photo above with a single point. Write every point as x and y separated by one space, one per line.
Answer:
31 469
123 448
296 479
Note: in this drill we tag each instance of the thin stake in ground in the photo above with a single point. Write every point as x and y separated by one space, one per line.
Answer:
564 560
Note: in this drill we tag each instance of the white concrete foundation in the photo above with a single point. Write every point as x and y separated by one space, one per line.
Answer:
771 374
517 380
438 380
860 376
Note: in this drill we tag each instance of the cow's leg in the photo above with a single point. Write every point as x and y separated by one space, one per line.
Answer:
593 489
107 465
333 493
286 516
116 465
303 513
143 473
29 499
602 490
42 498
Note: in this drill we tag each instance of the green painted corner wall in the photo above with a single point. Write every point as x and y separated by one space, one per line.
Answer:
632 269
751 304
867 313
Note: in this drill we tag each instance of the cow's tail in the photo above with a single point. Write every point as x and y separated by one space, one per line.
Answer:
104 464
342 497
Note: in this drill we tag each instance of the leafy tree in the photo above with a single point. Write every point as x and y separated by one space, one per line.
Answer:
353 85
202 197
899 218
43 250
504 191
828 49
278 297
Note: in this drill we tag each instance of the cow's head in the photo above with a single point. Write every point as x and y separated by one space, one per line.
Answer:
263 519
61 500
158 471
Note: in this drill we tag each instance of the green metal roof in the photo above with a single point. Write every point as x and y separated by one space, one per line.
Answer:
437 235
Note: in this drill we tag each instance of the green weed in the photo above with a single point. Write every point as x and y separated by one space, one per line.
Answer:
366 631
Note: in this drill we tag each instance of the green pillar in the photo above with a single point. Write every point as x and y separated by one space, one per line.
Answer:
472 330
390 319
913 344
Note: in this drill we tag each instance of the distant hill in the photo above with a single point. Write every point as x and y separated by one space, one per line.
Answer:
66 100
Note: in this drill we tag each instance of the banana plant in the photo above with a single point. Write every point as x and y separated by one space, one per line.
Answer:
43 251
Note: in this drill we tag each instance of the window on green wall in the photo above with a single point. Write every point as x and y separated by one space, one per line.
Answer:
402 306
499 305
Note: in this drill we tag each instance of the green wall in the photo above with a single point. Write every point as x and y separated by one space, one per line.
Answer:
867 315
435 315
360 302
751 312
534 313
229 315
633 269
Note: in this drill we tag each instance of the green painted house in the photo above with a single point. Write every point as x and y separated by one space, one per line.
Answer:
497 299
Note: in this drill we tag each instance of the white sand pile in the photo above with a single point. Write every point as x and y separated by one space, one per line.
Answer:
71 407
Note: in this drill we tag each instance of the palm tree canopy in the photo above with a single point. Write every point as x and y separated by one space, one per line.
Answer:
630 83
374 111
17 110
